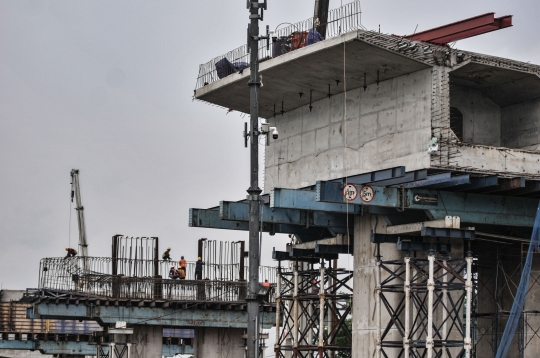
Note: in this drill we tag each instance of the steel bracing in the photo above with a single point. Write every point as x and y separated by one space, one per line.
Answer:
425 306
313 312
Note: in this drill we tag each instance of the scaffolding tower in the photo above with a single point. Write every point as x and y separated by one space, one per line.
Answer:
313 308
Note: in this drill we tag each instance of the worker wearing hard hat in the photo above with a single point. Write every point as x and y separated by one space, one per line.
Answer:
198 269
70 252
182 264
167 254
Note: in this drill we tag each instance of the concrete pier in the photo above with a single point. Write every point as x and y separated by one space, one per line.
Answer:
219 343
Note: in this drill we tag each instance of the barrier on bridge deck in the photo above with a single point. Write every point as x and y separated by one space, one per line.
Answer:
69 275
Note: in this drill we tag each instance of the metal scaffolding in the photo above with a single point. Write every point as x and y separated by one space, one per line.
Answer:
424 306
315 306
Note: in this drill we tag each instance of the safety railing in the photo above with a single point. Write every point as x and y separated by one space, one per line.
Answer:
286 39
125 278
155 288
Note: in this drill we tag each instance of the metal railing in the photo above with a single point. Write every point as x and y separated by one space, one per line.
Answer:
286 39
136 279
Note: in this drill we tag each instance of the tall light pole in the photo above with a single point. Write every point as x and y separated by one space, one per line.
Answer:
254 191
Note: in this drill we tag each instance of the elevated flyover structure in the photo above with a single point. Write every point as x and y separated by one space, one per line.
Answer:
418 159
138 295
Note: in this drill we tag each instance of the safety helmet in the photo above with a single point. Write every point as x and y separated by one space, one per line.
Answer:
182 257
172 266
168 248
199 259
67 248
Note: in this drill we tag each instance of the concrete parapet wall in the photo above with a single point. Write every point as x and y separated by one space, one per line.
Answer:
387 125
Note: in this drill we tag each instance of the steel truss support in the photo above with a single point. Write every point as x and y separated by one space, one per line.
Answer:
315 307
427 304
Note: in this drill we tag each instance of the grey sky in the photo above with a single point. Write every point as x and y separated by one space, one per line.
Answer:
106 87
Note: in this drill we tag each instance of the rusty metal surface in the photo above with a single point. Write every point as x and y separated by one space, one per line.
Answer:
13 319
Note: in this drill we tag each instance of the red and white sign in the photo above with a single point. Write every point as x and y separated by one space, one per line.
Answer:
367 193
350 192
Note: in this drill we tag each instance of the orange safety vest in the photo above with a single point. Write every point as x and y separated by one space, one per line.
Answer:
182 263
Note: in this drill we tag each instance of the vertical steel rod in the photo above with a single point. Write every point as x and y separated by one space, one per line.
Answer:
407 288
321 312
378 301
430 288
295 311
468 289
278 308
444 332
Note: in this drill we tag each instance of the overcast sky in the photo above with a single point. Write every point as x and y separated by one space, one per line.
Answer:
106 87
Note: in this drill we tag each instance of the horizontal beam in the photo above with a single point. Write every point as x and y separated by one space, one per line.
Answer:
408 177
479 183
447 222
430 180
471 207
306 200
475 208
333 193
422 246
379 175
334 249
209 218
185 318
239 211
447 233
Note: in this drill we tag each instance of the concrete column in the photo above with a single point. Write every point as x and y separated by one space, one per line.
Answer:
365 301
219 343
147 342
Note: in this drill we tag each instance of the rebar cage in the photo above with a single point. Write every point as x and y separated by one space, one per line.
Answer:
315 308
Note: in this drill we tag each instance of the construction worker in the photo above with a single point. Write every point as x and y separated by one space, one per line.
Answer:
70 252
167 254
198 269
173 273
266 283
315 287
182 264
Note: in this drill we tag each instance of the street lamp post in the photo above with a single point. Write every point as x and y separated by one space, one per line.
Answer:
254 191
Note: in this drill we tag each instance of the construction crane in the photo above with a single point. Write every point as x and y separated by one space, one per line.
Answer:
76 192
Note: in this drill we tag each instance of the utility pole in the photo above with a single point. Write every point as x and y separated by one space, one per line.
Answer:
254 191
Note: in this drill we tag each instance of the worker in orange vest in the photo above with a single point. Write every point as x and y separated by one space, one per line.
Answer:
182 264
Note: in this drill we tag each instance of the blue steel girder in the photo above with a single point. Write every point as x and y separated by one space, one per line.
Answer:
307 200
378 175
209 218
187 318
78 348
239 211
472 208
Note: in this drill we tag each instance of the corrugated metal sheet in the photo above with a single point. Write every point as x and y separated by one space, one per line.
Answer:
178 333
13 319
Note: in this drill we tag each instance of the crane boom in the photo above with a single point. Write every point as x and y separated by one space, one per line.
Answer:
76 192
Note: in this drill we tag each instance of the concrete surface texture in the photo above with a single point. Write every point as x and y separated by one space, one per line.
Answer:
9 353
364 323
11 295
219 343
354 132
148 341
389 123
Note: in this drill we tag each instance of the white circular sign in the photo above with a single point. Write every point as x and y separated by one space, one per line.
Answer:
350 192
367 193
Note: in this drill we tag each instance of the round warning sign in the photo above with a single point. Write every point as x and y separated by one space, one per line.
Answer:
367 193
350 192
